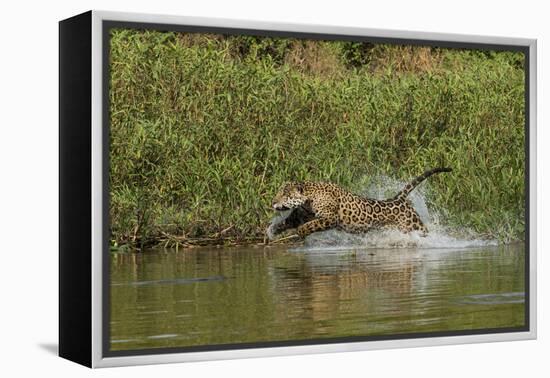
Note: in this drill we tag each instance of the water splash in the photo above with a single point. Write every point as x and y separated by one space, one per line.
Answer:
384 239
440 236
277 219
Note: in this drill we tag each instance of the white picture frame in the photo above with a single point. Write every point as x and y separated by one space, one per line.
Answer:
88 268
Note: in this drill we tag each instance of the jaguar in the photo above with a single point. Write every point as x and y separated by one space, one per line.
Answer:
319 206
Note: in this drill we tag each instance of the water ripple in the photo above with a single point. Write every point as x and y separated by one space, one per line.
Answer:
177 281
493 299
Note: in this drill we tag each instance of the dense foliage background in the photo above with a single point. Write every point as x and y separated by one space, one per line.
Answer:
205 128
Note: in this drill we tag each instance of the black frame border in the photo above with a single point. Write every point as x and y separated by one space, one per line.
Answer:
107 25
75 190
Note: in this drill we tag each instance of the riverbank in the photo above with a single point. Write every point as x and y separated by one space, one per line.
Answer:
205 129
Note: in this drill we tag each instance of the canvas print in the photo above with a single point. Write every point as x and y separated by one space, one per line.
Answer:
268 190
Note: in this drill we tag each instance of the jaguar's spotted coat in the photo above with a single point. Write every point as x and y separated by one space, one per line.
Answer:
319 206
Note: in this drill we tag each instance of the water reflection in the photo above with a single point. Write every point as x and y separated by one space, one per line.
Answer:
232 295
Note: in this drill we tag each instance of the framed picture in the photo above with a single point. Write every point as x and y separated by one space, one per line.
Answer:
233 188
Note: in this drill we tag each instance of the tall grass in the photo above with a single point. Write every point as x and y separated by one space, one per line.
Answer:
205 128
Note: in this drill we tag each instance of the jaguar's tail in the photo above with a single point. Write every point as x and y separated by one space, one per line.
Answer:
413 184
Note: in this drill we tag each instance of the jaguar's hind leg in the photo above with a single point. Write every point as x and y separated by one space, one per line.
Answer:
407 228
422 229
412 223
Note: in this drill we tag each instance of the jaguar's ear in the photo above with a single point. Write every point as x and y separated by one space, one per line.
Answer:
299 187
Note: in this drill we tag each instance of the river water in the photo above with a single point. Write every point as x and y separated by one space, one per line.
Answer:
169 298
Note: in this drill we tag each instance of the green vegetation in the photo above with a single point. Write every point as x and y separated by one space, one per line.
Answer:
205 128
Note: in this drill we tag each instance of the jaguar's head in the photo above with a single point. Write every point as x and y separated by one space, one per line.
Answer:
290 196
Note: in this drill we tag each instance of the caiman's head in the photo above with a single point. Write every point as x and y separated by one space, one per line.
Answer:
290 196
